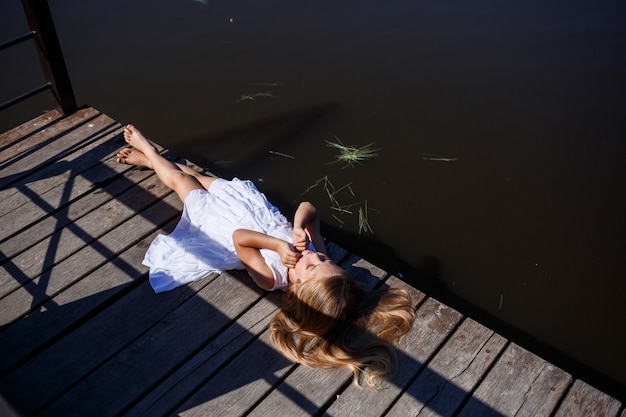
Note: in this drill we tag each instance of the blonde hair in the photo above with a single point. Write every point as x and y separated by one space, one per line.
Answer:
331 323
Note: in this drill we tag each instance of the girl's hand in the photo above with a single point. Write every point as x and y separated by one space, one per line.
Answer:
300 239
287 255
306 227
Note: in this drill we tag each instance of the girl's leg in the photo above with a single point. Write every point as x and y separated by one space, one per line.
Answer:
171 174
205 180
132 156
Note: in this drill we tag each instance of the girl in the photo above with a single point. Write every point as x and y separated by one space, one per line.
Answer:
326 320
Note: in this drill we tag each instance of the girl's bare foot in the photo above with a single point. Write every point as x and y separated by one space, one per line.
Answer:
131 156
134 138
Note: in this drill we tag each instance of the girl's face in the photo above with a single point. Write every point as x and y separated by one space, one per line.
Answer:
313 265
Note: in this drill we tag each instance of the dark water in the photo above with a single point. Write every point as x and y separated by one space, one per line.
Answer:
526 226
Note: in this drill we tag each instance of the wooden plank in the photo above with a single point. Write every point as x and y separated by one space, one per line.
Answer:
92 163
50 189
48 225
53 370
84 125
453 373
240 384
15 137
19 133
434 322
152 357
82 158
202 367
6 410
520 384
30 278
583 400
306 390
336 252
46 323
33 282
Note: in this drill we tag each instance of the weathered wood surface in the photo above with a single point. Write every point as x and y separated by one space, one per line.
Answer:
82 333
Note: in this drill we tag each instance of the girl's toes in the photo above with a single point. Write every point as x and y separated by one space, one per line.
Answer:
122 155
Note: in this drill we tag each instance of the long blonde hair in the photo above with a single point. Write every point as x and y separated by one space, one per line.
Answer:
331 323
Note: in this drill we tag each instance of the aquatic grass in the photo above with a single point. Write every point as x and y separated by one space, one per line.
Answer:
437 158
364 225
326 183
254 96
330 189
347 186
351 155
338 219
342 209
324 180
284 155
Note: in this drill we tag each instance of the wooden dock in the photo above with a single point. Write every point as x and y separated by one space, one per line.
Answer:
83 334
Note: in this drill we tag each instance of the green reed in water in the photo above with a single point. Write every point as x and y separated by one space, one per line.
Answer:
437 158
284 155
351 155
342 209
330 190
364 225
254 96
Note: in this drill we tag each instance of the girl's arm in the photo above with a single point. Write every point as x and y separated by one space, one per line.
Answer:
247 244
306 224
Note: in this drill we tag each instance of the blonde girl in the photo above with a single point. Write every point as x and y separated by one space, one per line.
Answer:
326 320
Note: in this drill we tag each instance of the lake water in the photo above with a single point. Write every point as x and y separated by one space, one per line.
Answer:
500 176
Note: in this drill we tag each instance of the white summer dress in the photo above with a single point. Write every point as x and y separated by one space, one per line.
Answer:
202 241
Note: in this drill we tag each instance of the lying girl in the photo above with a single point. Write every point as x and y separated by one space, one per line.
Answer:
326 320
